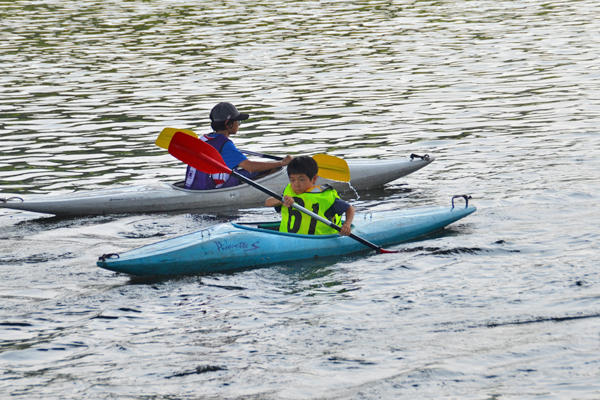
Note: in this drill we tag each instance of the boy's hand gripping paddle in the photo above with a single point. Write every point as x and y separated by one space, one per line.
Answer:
330 167
207 159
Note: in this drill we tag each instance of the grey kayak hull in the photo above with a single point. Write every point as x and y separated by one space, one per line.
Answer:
166 197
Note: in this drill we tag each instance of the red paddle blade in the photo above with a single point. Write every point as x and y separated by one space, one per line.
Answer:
384 251
198 154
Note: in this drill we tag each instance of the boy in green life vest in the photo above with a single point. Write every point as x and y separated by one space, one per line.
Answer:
322 200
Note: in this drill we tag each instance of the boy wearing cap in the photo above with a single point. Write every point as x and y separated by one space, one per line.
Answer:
225 121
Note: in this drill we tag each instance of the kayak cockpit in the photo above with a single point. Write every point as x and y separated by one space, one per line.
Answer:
273 227
268 225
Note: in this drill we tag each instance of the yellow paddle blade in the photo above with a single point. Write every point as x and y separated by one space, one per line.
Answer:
331 167
164 139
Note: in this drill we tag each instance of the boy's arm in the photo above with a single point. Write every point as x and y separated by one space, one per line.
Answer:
273 202
347 227
235 158
259 166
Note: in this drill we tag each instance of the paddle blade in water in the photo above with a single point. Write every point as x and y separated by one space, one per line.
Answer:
198 154
384 251
331 167
165 137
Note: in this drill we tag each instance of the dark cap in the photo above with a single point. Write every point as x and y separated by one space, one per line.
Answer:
226 111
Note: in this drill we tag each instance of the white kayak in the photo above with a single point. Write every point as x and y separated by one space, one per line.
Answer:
166 197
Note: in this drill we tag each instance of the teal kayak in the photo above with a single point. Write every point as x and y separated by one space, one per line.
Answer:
231 246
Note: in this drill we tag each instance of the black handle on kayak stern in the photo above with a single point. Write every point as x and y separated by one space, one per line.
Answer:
103 257
464 196
6 200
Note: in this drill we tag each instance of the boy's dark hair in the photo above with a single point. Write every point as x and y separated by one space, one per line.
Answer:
303 165
220 125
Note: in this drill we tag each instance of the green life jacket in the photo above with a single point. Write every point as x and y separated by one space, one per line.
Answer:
317 200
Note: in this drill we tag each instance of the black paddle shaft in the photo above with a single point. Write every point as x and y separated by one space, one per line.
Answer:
252 153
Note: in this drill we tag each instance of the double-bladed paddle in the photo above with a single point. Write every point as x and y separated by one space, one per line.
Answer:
207 159
330 167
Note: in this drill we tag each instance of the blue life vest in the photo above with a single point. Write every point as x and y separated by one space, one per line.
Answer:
198 180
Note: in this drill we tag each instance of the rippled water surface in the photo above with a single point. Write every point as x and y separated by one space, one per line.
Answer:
503 304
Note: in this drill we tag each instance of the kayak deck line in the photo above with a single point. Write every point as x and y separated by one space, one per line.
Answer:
169 197
233 246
